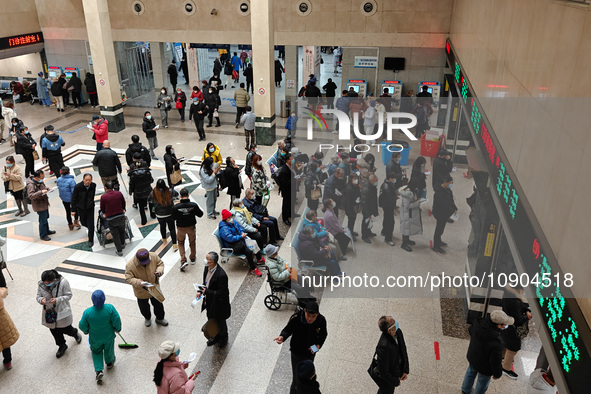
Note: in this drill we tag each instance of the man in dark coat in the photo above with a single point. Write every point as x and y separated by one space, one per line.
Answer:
369 206
307 329
137 147
443 208
261 213
331 89
391 355
76 84
185 213
217 298
387 200
485 351
313 94
149 127
393 166
249 78
83 204
334 188
442 166
286 181
231 176
173 74
108 164
424 96
140 186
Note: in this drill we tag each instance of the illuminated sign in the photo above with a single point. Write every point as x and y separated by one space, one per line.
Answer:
357 81
21 40
391 82
563 319
429 83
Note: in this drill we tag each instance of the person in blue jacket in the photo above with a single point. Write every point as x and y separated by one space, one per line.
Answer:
233 236
65 186
236 64
101 322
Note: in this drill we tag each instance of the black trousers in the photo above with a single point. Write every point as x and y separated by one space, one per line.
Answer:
287 206
272 228
58 334
56 162
239 112
210 117
7 354
29 163
142 204
351 219
330 102
365 230
241 248
68 207
295 360
343 241
76 99
199 127
117 226
439 229
93 98
144 305
249 85
259 238
87 220
222 330
182 113
388 224
171 228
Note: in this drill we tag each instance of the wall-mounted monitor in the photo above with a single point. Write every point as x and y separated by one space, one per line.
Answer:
394 63
355 88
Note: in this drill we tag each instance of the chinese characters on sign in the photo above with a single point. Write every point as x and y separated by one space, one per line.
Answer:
21 40
366 61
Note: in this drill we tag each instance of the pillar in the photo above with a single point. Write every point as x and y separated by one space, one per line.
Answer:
100 39
158 65
193 65
291 72
262 32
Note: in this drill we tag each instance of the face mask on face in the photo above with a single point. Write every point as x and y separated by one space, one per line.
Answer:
375 184
50 284
292 162
318 170
9 165
205 261
178 352
27 132
163 91
211 91
15 124
39 181
396 325
282 153
355 181
505 326
230 221
450 186
172 152
149 117
211 150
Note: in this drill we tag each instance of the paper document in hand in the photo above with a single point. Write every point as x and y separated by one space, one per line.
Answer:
191 358
423 200
198 286
455 217
147 284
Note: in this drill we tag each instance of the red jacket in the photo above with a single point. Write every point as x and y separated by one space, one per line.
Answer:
112 203
101 131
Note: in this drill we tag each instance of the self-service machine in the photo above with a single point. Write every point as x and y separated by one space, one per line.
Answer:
81 73
395 90
358 85
434 88
54 72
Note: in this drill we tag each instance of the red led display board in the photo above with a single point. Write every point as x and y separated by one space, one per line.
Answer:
21 40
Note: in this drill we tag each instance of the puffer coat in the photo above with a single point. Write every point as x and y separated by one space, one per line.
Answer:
410 214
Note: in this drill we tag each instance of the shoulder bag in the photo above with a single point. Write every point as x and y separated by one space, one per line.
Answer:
374 371
51 314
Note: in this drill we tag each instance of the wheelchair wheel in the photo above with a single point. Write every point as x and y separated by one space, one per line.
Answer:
128 231
101 238
272 302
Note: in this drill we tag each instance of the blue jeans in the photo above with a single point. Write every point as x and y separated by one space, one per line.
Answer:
43 223
481 384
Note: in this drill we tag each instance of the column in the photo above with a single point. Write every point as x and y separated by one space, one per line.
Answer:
158 65
291 74
262 32
100 39
193 65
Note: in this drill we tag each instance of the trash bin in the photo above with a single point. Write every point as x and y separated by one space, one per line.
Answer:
430 148
387 154
284 112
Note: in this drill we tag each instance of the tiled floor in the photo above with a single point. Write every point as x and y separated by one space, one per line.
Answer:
252 362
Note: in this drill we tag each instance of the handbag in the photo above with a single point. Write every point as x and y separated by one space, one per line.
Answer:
374 371
35 155
216 114
316 193
155 291
176 177
235 74
51 314
252 245
179 104
522 331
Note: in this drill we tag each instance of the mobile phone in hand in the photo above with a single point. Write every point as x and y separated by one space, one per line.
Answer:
314 348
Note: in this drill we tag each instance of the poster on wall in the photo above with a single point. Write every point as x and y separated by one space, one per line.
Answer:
308 61
366 61
193 66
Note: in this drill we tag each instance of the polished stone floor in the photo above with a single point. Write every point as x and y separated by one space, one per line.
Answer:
252 362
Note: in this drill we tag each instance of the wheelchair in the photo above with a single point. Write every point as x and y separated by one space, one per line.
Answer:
104 234
279 294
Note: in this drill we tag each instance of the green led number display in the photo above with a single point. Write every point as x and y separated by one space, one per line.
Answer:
458 72
476 117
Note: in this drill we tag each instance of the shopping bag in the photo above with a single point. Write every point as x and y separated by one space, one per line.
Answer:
252 245
176 177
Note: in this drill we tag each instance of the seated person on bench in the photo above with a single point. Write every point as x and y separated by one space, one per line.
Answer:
310 249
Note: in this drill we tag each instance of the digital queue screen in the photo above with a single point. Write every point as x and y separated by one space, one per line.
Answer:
562 317
21 40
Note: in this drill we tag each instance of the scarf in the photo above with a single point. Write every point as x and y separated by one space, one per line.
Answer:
246 213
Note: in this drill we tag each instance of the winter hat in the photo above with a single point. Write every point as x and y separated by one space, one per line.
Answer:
167 348
305 370
98 298
40 73
226 214
143 256
500 317
312 307
95 117
270 250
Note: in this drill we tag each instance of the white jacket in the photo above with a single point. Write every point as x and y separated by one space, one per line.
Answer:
8 114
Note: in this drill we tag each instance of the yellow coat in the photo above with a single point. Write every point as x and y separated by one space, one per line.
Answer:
8 332
216 155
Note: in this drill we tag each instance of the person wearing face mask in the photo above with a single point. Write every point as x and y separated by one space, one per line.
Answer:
25 145
100 127
149 127
352 198
443 208
180 98
100 322
161 202
369 207
255 229
82 205
196 92
13 126
485 351
52 150
13 178
291 125
197 113
8 333
261 213
173 74
387 201
514 305
410 214
217 298
286 182
248 119
108 163
171 164
164 102
213 151
418 177
170 376
233 180
212 103
252 151
334 226
232 235
186 213
66 185
37 193
215 82
140 186
442 166
312 186
249 78
366 168
208 174
391 362
54 293
334 188
393 166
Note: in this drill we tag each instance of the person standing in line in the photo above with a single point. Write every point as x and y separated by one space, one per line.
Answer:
170 376
137 147
330 89
418 177
9 114
392 357
108 163
387 201
63 82
212 103
75 85
394 167
352 200
82 205
217 66
286 183
180 98
52 150
208 174
485 351
185 213
162 201
241 97
37 193
279 70
54 293
308 331
8 332
259 178
66 185
145 267
140 186
312 185
25 145
164 102
514 305
443 208
197 113
442 166
90 84
173 74
57 93
370 117
231 176
13 178
249 119
42 92
249 78
410 214
100 322
112 205
213 151
149 127
252 151
171 164
217 298
369 207
100 127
